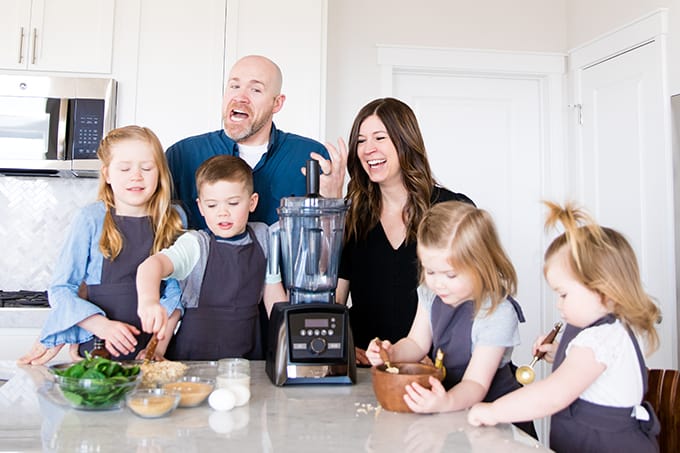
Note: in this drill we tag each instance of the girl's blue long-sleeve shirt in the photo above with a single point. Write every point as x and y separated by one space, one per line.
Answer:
81 261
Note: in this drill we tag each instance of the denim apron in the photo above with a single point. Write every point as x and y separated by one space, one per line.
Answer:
587 427
452 333
225 322
117 292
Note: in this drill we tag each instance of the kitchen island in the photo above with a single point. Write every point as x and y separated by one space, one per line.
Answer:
308 418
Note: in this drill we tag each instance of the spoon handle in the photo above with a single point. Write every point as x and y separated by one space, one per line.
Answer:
150 348
383 354
549 339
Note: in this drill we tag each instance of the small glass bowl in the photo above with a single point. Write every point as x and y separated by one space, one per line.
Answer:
193 390
94 394
152 403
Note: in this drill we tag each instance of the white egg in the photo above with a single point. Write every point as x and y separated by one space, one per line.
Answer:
242 394
222 400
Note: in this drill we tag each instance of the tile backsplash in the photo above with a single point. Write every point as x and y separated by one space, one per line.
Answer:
35 216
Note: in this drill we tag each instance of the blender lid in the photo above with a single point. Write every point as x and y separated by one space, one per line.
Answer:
311 206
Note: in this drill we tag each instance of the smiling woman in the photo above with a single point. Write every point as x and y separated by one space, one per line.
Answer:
391 186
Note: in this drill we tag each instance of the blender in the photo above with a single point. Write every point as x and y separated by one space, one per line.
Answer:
310 340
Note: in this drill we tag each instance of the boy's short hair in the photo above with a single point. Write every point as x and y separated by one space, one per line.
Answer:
224 168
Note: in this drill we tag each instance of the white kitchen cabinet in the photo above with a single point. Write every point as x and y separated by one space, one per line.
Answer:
17 342
180 67
19 329
57 35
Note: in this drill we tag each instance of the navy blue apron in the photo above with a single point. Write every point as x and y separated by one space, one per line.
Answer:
587 427
452 333
117 292
225 322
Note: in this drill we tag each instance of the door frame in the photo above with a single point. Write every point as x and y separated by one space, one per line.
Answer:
548 69
650 29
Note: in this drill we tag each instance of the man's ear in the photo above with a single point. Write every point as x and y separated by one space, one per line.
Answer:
254 198
278 102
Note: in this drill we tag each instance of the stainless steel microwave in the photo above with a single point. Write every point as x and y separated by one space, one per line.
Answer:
52 126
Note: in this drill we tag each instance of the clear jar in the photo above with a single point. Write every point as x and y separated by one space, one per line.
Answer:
233 371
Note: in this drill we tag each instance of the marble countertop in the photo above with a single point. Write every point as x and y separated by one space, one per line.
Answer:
314 418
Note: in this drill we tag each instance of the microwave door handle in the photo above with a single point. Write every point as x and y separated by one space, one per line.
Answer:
61 129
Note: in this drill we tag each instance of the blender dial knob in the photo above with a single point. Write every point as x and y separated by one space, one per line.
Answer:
318 345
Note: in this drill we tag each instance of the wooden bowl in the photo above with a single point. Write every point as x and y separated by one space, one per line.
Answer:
389 388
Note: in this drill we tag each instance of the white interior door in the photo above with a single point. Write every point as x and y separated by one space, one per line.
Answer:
483 138
624 170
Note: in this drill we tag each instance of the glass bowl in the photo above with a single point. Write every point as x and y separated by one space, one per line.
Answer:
152 403
95 394
193 390
156 374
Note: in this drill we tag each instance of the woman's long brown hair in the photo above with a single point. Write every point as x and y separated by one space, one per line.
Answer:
364 195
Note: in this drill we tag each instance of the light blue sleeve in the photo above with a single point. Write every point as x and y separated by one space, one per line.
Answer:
171 297
79 261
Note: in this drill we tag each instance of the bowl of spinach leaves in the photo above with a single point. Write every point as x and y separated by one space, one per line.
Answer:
96 383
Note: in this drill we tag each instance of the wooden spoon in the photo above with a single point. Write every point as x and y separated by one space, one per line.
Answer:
150 349
385 357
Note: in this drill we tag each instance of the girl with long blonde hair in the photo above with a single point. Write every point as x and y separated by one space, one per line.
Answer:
93 292
391 187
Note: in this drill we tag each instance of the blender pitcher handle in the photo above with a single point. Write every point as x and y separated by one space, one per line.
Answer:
274 249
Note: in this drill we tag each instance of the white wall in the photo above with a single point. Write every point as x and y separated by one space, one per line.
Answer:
293 34
588 19
355 27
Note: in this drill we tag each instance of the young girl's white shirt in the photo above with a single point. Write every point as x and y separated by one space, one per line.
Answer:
621 383
500 328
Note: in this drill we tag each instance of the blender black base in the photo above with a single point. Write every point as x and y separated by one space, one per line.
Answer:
310 343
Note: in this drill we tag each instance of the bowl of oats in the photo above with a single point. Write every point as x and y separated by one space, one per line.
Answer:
159 373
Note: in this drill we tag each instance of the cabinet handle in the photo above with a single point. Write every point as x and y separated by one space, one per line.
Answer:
21 45
35 39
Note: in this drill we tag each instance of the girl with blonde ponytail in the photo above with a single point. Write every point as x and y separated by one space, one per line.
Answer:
599 375
93 292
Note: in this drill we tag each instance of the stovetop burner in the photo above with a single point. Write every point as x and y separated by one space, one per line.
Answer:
23 298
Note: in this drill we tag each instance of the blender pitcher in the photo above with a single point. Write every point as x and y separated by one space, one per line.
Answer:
310 233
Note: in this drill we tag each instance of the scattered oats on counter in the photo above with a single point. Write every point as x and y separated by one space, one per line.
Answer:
365 408
162 372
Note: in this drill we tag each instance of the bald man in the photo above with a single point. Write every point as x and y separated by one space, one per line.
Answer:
251 98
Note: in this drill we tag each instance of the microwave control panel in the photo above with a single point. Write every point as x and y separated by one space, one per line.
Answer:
86 127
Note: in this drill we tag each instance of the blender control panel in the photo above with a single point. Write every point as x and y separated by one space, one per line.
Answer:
316 335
